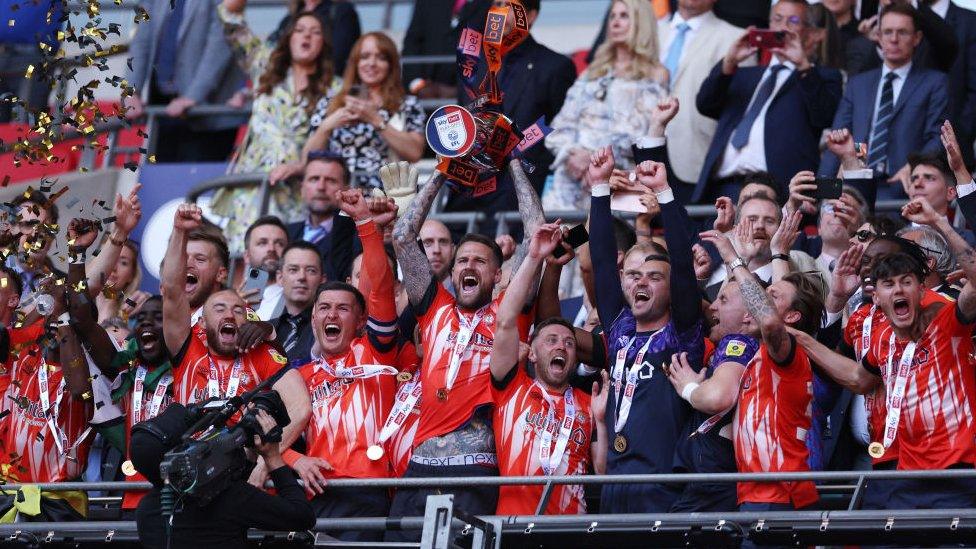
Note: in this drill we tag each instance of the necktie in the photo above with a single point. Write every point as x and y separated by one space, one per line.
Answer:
292 338
740 138
878 147
167 48
674 52
314 233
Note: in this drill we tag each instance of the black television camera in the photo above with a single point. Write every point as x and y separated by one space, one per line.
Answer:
211 455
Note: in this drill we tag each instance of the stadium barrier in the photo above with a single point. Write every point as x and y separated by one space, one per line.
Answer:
445 526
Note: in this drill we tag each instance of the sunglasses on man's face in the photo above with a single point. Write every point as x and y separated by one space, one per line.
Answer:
864 235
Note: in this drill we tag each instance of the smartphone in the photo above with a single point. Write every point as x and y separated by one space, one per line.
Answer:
627 202
828 188
576 237
766 39
257 279
358 91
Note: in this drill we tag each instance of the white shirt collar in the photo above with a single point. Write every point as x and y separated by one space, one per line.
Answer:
940 7
901 71
693 23
776 61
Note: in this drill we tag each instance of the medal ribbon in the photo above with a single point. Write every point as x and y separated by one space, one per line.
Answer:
497 43
407 396
465 332
138 387
865 344
60 439
623 406
213 383
897 393
550 457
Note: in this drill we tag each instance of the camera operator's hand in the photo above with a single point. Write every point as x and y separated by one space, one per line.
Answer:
270 451
310 469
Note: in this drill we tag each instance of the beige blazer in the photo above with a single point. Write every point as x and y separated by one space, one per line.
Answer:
690 133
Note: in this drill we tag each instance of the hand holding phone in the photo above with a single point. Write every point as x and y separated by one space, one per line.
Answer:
828 188
576 237
767 39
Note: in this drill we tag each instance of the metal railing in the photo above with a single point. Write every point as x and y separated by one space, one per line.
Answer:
944 525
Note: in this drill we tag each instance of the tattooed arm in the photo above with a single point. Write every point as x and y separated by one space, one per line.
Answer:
778 341
416 270
921 212
530 209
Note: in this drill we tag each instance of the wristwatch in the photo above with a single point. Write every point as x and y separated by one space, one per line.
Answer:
735 263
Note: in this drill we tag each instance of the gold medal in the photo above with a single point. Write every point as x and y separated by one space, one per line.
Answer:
128 469
404 377
876 450
442 394
374 452
620 443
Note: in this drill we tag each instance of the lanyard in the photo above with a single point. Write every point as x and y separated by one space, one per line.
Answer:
551 458
897 393
60 440
866 334
465 332
138 386
213 383
623 406
408 394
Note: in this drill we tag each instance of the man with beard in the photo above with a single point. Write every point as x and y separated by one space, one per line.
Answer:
334 235
264 244
542 426
351 384
713 392
455 435
650 310
223 359
773 415
922 356
300 276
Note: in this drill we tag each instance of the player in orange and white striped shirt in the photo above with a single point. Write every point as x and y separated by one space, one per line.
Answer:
352 384
455 436
543 426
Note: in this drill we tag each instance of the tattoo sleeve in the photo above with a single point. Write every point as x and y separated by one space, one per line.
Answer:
530 209
416 269
757 303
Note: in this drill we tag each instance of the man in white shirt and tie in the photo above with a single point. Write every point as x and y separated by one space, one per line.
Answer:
692 41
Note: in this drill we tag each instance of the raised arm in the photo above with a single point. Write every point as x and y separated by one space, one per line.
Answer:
505 354
81 306
774 334
711 396
921 212
603 246
416 270
251 51
176 304
127 212
381 303
685 301
846 372
530 209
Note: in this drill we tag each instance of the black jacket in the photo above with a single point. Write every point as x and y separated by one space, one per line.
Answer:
338 249
433 31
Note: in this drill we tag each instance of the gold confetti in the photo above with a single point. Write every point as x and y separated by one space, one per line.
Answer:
11 22
30 71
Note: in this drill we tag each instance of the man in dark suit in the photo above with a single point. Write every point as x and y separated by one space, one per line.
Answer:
435 28
769 118
937 50
534 81
962 76
896 109
300 276
334 235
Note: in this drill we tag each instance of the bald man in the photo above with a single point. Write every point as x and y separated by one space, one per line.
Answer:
435 240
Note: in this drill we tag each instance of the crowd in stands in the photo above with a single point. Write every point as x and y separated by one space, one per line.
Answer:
800 329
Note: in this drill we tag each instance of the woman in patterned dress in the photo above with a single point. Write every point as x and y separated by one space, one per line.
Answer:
611 103
292 80
371 121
